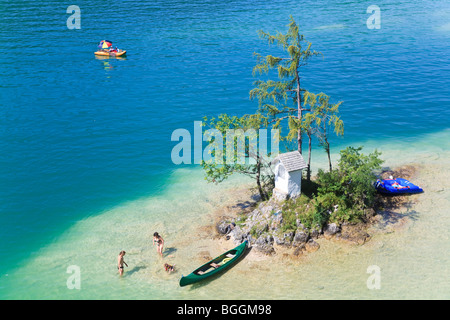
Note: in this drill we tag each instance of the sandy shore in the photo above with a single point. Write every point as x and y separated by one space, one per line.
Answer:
410 244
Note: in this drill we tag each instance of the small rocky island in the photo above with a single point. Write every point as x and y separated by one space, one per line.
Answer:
276 225
262 227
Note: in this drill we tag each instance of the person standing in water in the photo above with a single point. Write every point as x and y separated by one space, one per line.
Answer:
121 262
159 243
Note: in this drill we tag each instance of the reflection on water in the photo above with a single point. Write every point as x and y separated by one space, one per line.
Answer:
107 61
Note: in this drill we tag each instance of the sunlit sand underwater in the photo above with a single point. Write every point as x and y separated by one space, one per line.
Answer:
85 166
413 258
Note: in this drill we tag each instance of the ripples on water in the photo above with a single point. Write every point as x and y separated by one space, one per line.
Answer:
80 134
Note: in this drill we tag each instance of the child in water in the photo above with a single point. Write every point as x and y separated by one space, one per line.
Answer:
169 268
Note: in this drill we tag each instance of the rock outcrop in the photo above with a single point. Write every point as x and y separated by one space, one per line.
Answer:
262 227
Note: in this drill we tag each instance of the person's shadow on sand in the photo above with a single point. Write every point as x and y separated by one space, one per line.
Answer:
169 251
135 269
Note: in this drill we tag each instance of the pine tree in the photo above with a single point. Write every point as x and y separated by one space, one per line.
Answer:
282 99
325 116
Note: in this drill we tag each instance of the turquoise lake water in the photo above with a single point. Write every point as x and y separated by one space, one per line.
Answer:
85 140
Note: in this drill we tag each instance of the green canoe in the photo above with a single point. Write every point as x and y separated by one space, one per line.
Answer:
214 266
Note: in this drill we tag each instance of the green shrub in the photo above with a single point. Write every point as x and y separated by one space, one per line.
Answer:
357 176
340 195
350 186
313 217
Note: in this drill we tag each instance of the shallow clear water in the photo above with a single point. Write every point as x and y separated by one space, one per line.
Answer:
85 167
413 258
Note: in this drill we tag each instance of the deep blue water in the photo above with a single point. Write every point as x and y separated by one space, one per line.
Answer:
79 134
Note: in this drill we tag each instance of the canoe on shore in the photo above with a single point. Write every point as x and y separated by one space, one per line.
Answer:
396 186
214 266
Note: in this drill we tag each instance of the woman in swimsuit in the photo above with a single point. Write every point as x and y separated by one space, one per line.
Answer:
121 262
159 243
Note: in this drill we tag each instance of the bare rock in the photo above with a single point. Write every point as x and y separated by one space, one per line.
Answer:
285 239
300 238
356 234
312 246
264 244
330 230
266 211
314 233
238 234
222 227
299 250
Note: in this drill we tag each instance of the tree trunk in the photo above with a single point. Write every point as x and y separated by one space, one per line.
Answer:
308 170
258 180
299 113
326 144
329 156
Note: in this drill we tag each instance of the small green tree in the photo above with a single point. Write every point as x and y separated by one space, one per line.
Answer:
358 175
326 118
233 132
322 117
282 99
350 187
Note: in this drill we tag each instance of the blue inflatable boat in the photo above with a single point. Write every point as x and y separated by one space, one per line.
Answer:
396 186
